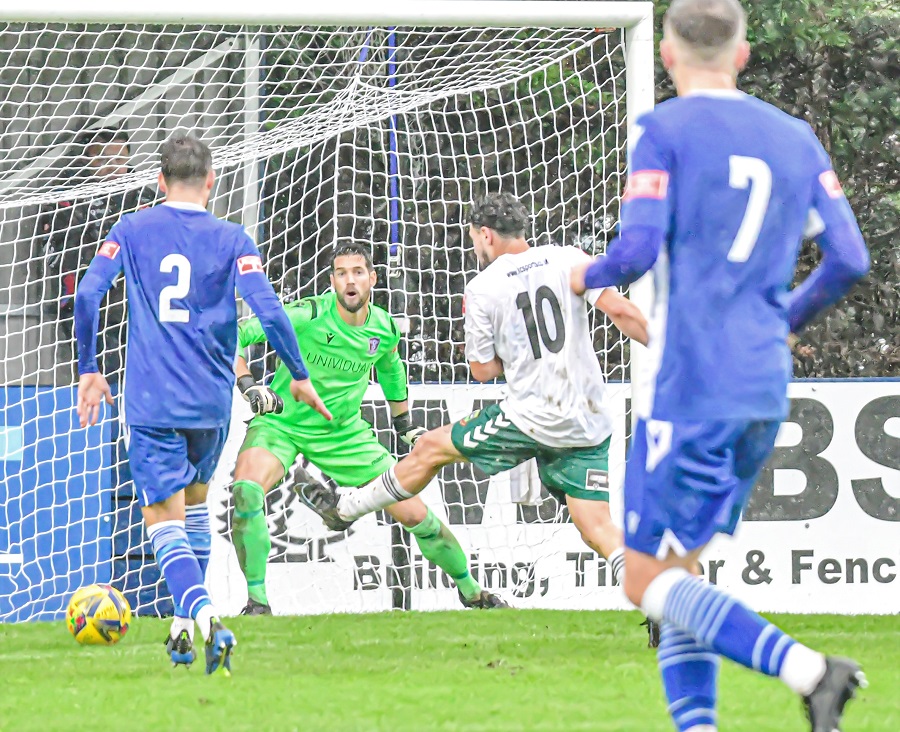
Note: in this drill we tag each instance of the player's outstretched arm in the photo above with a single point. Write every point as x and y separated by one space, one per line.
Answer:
486 371
625 315
404 425
251 331
92 386
484 363
262 399
845 259
303 391
629 257
644 218
256 289
277 328
92 389
391 374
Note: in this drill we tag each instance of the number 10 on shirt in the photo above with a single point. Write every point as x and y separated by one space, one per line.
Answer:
535 325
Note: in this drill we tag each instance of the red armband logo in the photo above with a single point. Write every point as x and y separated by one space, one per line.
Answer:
831 184
647 184
248 264
109 249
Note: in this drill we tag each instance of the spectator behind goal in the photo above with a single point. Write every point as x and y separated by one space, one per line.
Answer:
69 232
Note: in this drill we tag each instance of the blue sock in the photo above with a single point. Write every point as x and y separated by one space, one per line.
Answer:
179 566
725 625
689 672
196 524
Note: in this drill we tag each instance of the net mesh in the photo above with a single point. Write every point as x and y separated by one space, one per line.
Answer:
376 134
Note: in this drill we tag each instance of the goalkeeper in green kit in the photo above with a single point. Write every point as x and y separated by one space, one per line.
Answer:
342 336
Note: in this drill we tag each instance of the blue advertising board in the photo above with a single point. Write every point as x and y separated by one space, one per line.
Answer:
55 502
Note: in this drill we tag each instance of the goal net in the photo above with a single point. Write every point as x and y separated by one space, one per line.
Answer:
382 134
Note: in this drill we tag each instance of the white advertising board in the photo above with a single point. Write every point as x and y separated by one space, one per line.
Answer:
821 532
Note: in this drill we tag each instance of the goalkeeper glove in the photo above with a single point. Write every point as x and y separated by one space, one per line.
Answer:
262 399
406 429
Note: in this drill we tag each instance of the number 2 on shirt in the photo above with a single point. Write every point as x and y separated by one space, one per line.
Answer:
180 264
742 172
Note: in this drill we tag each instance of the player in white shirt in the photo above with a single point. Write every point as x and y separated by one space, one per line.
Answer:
522 320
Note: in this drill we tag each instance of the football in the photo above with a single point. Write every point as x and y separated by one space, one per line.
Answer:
98 615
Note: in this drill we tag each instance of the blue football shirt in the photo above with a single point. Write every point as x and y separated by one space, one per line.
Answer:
734 184
182 266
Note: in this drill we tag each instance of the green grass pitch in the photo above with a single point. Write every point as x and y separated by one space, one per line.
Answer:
490 671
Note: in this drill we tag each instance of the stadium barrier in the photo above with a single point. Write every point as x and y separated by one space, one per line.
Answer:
820 533
56 508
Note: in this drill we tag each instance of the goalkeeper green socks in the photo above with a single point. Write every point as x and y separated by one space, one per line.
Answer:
438 545
250 535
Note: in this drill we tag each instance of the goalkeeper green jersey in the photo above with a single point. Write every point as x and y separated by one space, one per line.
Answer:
340 359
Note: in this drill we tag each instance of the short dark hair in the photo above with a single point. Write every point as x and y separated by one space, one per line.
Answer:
185 158
502 212
102 136
707 26
352 248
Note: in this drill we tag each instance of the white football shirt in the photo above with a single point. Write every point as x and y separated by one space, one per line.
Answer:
522 309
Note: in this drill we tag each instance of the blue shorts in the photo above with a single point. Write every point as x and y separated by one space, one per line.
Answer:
687 481
165 460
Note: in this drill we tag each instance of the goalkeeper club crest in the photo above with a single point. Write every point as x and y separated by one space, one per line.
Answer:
373 345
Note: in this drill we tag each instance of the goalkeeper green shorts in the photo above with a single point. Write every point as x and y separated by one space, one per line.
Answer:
580 472
351 454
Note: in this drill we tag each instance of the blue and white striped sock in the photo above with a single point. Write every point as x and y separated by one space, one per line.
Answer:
731 629
689 671
196 524
182 571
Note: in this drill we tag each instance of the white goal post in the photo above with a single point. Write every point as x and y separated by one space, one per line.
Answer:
434 13
374 121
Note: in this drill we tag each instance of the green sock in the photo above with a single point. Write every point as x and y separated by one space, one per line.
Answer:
439 545
250 535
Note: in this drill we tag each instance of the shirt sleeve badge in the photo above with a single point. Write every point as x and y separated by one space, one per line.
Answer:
248 264
109 249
